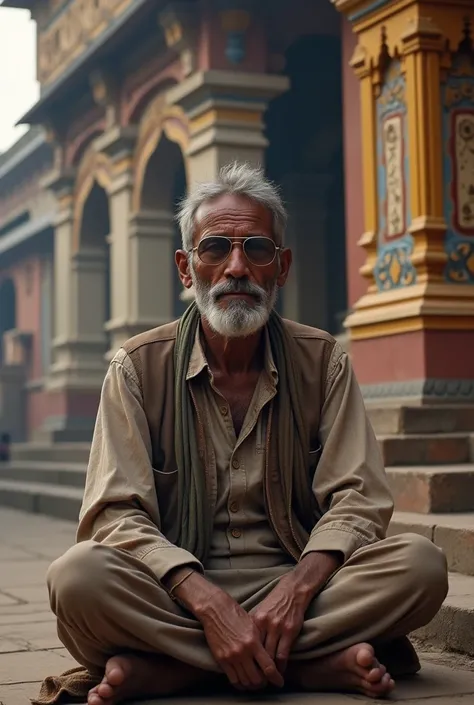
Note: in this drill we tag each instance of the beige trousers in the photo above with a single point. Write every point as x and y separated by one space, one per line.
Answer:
108 602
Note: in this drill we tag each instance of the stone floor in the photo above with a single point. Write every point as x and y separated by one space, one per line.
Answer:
29 647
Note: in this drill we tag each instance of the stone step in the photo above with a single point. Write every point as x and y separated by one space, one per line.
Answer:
388 421
454 533
49 452
453 627
438 488
55 501
426 449
68 474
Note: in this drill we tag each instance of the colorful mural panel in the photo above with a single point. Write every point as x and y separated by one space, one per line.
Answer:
394 244
458 138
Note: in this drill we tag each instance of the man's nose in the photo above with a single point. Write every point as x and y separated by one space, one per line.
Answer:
237 264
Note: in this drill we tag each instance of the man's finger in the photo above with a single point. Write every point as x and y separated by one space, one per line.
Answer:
242 676
254 674
232 676
283 653
269 668
271 643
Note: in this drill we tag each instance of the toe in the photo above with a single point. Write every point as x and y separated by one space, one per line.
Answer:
365 656
383 687
376 674
94 698
115 675
105 691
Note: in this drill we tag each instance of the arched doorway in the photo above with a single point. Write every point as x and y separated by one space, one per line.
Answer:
7 311
92 259
164 185
305 155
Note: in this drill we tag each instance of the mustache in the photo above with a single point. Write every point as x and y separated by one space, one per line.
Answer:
237 286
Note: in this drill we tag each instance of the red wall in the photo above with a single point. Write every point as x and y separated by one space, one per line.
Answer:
26 275
354 196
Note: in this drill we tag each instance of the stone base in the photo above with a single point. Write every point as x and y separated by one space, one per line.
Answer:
419 392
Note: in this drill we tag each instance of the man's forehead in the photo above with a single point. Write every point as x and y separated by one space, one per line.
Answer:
233 207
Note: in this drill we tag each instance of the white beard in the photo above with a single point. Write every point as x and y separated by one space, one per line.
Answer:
238 319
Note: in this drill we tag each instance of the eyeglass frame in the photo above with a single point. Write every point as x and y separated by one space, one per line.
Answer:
237 241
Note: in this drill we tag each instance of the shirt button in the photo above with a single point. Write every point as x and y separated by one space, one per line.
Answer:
236 533
224 410
235 464
234 507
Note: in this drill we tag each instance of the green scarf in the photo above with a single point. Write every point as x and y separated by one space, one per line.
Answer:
290 438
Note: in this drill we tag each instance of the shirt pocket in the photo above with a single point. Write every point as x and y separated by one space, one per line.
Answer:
166 487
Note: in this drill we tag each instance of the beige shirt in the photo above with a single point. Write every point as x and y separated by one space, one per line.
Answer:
127 501
242 536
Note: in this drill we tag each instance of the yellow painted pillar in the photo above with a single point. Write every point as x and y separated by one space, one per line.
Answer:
415 63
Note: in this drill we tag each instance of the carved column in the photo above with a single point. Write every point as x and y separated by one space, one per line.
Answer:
416 69
77 370
225 111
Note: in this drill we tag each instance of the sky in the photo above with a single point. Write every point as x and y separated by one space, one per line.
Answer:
19 89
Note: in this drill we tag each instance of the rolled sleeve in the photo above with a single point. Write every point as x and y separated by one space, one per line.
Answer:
350 484
120 507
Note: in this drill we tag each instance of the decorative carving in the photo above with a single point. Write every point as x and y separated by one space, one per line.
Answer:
393 152
235 24
463 168
71 32
460 266
179 22
458 138
394 268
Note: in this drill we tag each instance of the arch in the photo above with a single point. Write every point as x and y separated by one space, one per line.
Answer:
162 185
94 226
95 168
7 309
94 249
141 97
78 148
159 120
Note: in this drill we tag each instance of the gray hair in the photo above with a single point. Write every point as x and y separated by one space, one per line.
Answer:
241 179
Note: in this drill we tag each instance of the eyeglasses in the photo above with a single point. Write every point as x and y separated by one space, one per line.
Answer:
216 249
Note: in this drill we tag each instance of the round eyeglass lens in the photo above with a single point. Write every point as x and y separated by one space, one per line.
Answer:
214 250
260 250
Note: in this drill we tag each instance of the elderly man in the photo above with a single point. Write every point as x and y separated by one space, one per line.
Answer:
235 512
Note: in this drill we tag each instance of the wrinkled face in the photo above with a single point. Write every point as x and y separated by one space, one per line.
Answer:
235 267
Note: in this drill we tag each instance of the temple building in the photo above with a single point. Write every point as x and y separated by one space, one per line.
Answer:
362 111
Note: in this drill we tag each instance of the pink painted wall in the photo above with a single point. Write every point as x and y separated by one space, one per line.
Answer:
417 355
26 276
354 196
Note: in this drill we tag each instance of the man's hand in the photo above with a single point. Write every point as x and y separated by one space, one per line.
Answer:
280 616
230 632
236 645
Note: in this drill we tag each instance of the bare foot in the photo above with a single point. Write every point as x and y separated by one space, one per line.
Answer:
354 670
134 677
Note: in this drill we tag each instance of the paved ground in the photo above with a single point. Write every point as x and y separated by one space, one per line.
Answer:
29 648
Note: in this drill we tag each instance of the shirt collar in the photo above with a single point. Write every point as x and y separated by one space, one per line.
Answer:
198 361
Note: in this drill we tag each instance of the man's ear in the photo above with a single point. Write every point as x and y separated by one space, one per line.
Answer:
182 262
286 258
